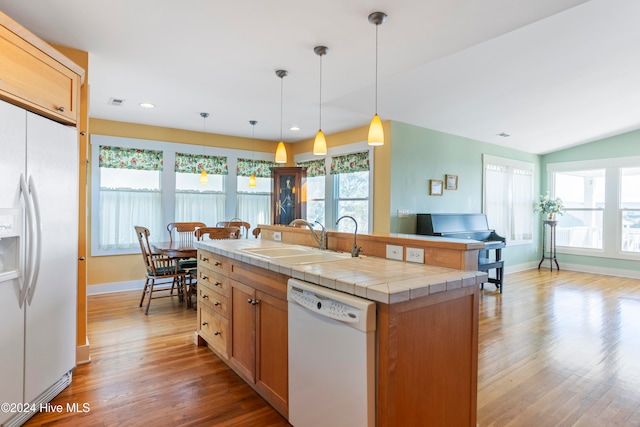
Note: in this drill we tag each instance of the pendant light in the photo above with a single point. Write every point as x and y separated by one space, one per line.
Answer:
252 178
281 151
376 132
320 143
204 179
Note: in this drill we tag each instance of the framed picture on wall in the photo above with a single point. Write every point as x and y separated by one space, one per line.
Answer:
451 182
435 187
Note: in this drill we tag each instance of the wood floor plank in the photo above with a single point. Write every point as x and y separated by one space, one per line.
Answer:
556 349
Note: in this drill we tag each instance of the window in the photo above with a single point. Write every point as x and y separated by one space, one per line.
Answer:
582 194
508 198
195 201
129 195
254 203
340 184
351 188
316 173
602 200
630 209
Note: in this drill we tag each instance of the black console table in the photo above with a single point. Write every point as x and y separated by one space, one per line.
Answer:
551 254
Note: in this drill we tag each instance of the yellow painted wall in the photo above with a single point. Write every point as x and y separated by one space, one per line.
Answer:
122 268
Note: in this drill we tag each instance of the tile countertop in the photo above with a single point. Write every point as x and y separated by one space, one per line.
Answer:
377 279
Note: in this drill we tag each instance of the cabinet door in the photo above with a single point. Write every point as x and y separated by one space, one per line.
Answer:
243 335
272 350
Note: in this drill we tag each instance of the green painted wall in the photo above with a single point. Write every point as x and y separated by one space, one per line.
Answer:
419 154
627 144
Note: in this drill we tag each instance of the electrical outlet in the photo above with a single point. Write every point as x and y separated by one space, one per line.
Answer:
277 236
394 252
415 255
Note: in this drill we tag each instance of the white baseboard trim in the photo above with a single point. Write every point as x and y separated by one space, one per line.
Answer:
108 288
582 268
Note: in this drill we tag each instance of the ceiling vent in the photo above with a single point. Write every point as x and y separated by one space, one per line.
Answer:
116 102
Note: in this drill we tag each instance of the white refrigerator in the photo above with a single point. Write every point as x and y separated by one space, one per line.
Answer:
38 260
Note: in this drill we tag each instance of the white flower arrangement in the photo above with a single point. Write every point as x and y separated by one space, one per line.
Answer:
547 205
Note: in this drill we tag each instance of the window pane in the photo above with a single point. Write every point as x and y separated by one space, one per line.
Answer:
315 188
630 202
580 229
581 189
254 208
128 197
263 185
315 211
191 182
208 208
359 209
353 185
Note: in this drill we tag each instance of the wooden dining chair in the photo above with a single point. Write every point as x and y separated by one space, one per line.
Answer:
163 274
256 232
218 233
243 225
183 231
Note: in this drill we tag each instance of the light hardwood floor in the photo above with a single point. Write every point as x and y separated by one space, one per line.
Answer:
556 349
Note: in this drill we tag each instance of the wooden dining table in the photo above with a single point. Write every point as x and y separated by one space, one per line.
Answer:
175 249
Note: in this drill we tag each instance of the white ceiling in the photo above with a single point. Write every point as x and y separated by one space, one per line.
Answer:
550 73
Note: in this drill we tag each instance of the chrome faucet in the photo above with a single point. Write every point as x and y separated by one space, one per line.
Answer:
355 251
322 240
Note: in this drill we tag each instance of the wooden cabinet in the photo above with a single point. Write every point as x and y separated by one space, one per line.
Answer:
242 316
213 303
35 76
289 198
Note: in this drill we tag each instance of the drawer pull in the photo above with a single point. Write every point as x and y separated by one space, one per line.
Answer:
217 284
204 258
217 263
217 333
61 109
205 296
205 323
204 277
217 303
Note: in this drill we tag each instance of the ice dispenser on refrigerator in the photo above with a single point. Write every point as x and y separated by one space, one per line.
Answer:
10 232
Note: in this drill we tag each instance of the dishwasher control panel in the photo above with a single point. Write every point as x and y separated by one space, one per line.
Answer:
324 305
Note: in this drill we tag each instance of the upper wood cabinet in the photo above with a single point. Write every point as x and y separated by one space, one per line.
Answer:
37 77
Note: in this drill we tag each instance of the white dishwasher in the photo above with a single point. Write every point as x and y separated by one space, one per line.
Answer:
331 357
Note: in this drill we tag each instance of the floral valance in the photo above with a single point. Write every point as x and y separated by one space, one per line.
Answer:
130 158
195 163
356 162
260 168
314 167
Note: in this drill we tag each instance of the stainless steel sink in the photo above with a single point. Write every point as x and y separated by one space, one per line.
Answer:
297 254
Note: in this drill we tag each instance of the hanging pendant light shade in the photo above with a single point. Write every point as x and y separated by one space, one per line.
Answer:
320 143
252 178
281 151
376 132
204 179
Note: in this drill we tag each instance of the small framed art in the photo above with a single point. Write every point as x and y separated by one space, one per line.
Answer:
451 182
435 187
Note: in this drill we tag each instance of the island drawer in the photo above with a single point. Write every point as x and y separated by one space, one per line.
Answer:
214 281
214 262
208 297
214 329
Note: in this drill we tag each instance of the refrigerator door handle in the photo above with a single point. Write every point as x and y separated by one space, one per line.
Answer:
38 240
31 234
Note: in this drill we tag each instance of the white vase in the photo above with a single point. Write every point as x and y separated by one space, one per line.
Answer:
551 216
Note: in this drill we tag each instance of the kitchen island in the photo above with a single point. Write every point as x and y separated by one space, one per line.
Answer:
427 324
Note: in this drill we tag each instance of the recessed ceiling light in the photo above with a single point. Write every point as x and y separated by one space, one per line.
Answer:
504 135
147 105
294 128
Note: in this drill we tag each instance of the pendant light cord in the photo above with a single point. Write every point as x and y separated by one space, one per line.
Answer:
377 25
320 104
281 96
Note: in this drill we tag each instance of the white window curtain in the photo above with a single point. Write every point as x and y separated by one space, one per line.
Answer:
508 198
254 208
208 208
120 210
